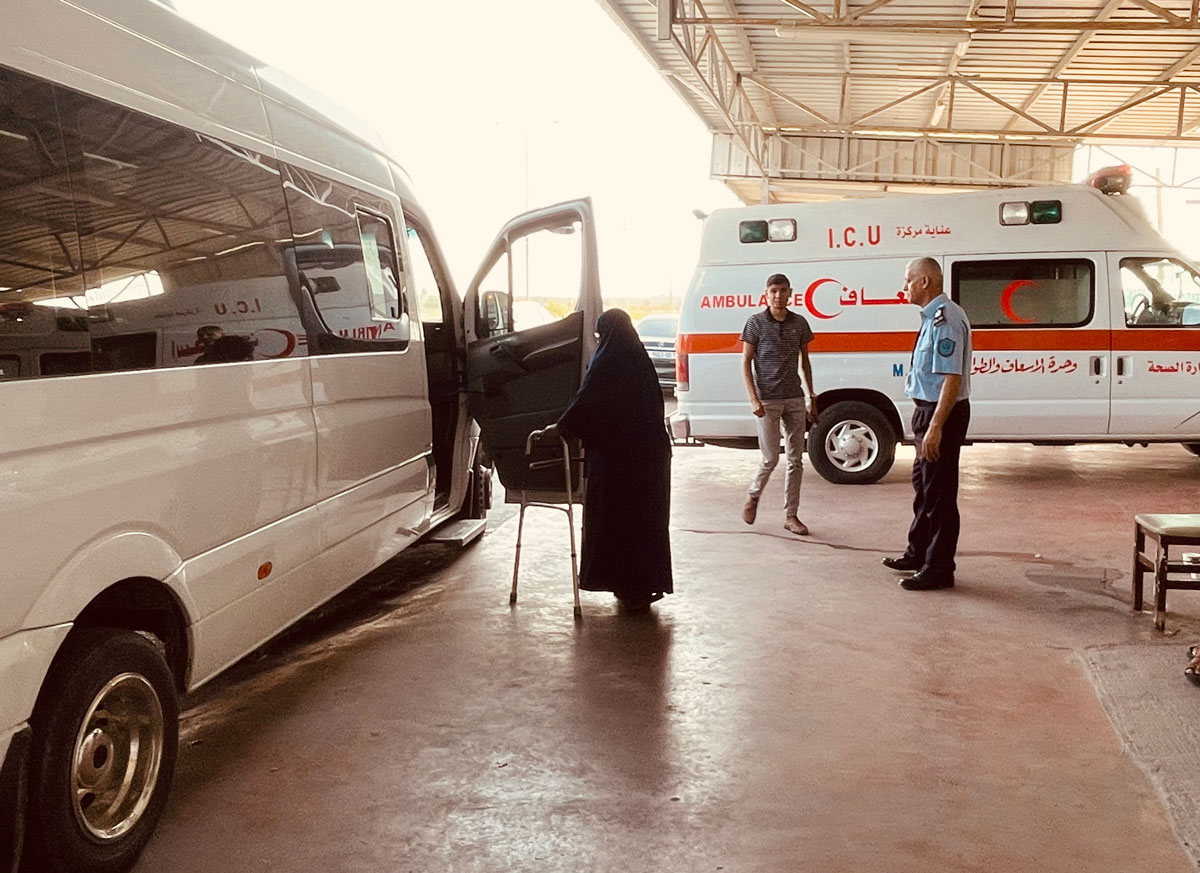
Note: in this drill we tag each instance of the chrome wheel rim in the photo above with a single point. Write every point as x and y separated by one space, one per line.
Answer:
118 753
852 446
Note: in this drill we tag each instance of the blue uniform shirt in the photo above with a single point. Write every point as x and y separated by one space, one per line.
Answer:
943 347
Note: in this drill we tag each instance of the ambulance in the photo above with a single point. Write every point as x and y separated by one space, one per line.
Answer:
1086 322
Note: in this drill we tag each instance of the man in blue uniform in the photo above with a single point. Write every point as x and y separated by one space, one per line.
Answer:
939 382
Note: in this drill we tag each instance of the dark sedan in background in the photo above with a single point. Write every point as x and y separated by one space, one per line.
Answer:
658 332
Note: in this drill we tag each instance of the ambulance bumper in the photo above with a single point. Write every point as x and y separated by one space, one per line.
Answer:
681 426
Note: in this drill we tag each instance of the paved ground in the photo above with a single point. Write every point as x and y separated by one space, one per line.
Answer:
789 709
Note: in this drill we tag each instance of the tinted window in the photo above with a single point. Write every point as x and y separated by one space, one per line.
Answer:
39 249
1160 292
660 326
182 243
423 279
348 265
1027 294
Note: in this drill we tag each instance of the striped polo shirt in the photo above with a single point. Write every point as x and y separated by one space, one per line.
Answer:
777 347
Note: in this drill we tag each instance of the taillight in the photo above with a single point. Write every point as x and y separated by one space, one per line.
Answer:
681 365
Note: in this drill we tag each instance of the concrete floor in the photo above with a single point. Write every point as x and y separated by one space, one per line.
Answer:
790 708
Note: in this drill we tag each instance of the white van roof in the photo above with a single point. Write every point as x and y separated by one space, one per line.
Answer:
148 57
916 226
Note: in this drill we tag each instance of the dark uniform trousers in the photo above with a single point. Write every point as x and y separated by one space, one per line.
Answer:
933 535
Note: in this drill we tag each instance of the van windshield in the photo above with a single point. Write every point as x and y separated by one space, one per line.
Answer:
1160 291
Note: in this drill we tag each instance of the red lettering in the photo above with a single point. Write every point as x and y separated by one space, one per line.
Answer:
849 236
704 304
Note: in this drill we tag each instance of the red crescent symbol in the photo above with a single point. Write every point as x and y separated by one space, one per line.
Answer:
1006 300
808 299
287 335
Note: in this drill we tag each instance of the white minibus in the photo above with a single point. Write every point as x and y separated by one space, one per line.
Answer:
1086 322
235 376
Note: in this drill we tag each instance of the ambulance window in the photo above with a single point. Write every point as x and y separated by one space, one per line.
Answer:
10 366
1160 292
1050 292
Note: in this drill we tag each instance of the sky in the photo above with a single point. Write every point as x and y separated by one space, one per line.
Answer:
494 108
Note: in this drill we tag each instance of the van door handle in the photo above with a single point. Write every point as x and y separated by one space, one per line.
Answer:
1097 365
1124 365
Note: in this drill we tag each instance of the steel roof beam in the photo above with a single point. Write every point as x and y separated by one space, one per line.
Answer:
980 133
700 47
940 103
954 25
1067 57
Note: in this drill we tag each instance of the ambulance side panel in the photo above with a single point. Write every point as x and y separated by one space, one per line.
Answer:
1039 329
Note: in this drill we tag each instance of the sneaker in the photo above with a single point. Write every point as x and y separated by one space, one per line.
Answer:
796 526
750 510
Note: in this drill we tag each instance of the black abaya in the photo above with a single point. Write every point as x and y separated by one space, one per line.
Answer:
618 414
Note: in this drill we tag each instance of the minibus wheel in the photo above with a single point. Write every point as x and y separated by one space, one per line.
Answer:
1194 448
852 443
479 489
105 734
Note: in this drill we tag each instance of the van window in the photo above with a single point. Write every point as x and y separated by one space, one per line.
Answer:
379 259
540 271
347 264
1160 292
1041 292
180 244
39 250
423 279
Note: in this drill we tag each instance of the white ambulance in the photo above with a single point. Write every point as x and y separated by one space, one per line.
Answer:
1086 322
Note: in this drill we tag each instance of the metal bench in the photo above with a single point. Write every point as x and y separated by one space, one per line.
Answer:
1166 531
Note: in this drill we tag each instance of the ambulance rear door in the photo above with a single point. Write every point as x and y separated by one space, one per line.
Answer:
1040 334
525 361
1156 346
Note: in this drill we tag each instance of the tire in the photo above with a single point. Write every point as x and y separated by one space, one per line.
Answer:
1194 448
107 716
852 443
479 489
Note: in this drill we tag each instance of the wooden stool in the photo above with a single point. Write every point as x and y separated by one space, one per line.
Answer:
1166 531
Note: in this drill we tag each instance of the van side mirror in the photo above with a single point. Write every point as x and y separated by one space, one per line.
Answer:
495 311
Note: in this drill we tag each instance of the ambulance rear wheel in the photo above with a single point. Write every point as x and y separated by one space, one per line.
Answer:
852 443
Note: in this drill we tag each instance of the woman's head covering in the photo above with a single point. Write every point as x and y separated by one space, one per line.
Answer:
620 398
617 333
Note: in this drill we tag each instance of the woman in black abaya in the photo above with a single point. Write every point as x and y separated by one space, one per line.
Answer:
618 414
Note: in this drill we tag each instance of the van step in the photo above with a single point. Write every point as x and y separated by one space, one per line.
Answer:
458 533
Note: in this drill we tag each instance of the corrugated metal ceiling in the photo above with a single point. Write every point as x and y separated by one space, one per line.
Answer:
1059 71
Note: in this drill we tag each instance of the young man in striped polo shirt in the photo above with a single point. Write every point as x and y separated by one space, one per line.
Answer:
774 347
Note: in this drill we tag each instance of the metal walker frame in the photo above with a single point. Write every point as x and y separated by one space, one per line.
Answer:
568 509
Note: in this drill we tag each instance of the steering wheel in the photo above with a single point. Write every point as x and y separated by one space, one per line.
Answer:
1140 304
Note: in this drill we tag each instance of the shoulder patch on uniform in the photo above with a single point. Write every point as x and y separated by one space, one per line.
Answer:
945 347
939 317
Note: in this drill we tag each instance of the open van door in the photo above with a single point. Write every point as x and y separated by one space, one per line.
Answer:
524 363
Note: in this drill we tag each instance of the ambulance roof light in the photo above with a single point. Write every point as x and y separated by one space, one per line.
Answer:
1112 180
1014 213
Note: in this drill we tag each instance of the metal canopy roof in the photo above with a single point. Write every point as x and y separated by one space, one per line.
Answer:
831 98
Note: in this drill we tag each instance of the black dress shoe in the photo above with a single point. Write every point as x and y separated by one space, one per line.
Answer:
923 580
904 563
